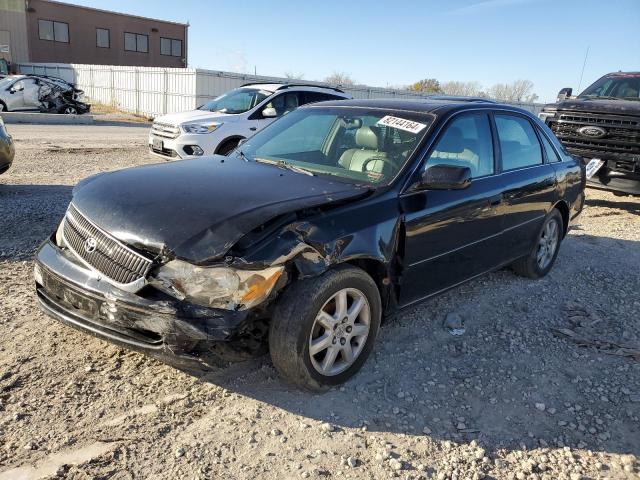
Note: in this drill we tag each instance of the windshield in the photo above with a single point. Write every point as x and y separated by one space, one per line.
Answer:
626 87
5 82
357 145
236 101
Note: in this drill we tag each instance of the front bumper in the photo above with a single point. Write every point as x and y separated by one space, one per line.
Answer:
181 147
154 324
616 181
620 173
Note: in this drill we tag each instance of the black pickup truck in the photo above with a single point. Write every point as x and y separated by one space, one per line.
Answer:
602 123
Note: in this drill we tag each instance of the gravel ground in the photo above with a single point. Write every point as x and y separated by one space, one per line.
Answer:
542 384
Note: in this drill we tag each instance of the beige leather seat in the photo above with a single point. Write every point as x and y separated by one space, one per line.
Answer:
355 158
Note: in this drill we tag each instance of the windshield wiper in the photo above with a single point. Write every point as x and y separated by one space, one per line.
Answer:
283 164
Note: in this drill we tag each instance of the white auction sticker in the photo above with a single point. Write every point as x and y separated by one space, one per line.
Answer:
593 166
401 123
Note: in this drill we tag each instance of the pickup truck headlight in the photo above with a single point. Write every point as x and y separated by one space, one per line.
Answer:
206 127
218 287
544 115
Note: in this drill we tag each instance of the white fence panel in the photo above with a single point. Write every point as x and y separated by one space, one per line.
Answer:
152 91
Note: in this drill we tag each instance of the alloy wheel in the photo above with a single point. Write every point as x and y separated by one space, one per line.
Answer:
547 244
340 332
70 110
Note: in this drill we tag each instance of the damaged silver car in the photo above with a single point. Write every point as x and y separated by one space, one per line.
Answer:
301 241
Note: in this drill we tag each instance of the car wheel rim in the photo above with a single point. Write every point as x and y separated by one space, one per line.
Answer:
340 332
547 244
70 110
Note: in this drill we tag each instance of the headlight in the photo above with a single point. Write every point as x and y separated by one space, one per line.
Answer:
207 127
544 115
218 287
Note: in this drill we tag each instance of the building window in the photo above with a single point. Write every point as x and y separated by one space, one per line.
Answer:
53 31
136 42
171 46
102 38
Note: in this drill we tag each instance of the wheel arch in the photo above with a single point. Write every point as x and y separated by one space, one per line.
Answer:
563 208
378 271
4 105
226 141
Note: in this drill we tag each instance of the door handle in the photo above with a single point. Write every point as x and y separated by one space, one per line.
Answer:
253 129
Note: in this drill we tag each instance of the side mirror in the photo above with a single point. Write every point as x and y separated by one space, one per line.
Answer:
269 112
445 177
564 94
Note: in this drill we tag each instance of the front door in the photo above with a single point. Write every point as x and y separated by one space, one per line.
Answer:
453 235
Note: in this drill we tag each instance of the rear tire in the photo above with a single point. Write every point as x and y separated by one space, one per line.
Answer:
228 147
545 251
324 328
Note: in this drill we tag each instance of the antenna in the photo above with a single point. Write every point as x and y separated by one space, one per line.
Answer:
583 65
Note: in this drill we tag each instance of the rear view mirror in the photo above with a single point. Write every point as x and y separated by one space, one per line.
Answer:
446 177
269 112
564 94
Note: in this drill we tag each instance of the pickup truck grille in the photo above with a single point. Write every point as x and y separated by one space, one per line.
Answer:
104 253
622 138
165 130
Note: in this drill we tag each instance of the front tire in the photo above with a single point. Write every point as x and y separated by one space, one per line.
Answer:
324 328
545 251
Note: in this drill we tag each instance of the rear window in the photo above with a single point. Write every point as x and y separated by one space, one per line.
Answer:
518 142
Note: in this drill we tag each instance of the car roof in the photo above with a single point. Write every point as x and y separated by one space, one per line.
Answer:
437 106
272 87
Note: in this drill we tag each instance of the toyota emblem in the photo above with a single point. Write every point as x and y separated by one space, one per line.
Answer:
593 132
90 244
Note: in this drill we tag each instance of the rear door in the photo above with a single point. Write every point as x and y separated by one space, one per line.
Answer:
530 185
453 235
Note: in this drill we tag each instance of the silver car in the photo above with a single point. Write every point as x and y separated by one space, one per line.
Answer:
12 93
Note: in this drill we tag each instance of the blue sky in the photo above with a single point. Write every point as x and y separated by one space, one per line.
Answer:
397 43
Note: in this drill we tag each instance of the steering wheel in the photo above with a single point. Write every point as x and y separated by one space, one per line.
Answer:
378 159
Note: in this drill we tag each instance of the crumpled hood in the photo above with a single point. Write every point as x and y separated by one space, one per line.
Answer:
198 209
192 116
621 107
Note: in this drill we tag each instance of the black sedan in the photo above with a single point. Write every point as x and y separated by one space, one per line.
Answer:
310 233
7 150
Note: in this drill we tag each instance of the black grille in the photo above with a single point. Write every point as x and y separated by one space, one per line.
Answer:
108 256
622 134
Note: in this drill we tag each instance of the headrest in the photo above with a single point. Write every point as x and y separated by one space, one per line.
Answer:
366 138
452 141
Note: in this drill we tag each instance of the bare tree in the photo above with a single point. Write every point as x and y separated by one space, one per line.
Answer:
339 78
428 85
516 91
294 76
466 89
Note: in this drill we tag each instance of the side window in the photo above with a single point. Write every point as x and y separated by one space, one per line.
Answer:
312 97
284 103
518 142
466 142
552 155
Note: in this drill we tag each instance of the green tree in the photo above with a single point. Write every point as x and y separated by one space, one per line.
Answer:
428 85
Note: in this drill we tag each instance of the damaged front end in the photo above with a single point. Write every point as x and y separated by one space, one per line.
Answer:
175 313
199 279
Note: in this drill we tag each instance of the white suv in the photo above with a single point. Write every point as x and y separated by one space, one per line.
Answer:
220 124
